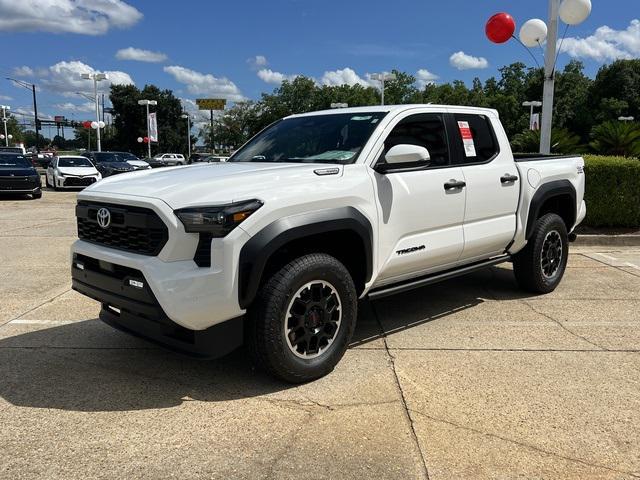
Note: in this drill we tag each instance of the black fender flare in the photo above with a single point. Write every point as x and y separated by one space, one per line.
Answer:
255 254
544 193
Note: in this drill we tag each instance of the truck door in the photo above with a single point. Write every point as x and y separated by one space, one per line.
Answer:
420 209
493 184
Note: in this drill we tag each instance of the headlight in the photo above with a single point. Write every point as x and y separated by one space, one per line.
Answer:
60 174
217 220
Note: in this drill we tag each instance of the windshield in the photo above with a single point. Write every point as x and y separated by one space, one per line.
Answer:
334 138
101 157
8 160
11 149
74 162
128 156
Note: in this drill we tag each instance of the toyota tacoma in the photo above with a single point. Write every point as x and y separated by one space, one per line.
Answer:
275 247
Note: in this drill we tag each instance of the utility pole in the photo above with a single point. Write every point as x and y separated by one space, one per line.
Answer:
383 77
32 87
186 115
96 77
4 120
213 145
549 78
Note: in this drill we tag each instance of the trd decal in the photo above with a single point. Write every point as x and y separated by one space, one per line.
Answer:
405 251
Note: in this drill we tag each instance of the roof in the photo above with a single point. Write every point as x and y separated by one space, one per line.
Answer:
391 108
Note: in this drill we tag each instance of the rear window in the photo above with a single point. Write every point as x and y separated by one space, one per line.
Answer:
476 138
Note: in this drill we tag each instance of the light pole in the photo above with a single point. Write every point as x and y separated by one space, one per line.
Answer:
186 115
32 87
96 77
146 103
383 77
532 104
4 120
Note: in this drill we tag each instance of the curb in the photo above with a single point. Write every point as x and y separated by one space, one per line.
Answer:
607 240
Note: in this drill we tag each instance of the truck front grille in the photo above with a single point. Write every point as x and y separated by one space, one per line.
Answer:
133 229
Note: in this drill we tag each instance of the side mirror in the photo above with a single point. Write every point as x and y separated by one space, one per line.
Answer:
406 153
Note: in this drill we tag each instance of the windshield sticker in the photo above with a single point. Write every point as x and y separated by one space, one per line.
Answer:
467 139
360 118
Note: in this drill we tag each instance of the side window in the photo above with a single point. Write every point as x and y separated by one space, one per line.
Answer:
425 130
476 138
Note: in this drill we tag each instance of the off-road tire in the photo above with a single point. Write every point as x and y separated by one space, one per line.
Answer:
528 263
266 318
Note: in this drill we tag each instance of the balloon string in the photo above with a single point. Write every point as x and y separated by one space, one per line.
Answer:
566 28
525 47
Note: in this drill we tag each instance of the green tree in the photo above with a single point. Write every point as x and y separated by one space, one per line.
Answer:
616 91
129 119
402 90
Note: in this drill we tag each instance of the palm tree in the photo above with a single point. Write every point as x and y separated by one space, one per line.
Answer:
616 138
562 141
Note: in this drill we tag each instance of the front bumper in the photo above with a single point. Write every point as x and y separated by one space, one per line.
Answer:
75 182
17 186
128 304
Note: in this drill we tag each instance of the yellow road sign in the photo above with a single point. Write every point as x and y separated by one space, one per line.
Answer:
211 103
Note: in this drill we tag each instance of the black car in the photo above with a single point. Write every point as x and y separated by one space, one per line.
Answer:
17 175
154 162
109 163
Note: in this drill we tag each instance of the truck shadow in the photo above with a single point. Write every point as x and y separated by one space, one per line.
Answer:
87 366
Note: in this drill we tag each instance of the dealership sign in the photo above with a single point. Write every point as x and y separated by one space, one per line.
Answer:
211 103
153 127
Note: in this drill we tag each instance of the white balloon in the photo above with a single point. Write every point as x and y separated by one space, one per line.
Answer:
1 137
533 32
574 12
140 139
101 124
9 136
94 125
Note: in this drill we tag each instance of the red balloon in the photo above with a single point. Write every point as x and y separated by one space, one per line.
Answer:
500 27
86 124
145 139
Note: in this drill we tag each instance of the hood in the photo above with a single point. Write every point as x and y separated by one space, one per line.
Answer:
17 171
138 163
116 165
212 183
79 171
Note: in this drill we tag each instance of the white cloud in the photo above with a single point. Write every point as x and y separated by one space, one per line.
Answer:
64 78
88 17
346 76
258 61
606 44
23 71
5 98
28 112
199 118
140 55
269 76
424 77
75 108
462 61
205 84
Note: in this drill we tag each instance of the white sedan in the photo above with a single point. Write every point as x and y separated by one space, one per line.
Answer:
71 172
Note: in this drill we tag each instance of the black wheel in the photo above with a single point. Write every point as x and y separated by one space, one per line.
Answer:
539 267
303 318
37 194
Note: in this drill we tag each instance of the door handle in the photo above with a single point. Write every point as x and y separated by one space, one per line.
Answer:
454 185
508 178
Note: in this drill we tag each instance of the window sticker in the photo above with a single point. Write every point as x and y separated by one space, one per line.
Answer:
467 139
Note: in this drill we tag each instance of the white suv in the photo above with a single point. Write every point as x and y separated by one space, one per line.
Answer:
315 212
171 159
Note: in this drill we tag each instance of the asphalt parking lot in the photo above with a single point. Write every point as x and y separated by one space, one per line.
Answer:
466 379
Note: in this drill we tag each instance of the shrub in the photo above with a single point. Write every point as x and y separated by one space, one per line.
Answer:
562 141
616 138
612 191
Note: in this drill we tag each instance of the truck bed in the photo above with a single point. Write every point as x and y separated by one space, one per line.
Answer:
533 157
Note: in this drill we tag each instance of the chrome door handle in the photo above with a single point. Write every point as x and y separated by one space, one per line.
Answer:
454 185
508 178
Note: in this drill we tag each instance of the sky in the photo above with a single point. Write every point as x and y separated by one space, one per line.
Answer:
237 50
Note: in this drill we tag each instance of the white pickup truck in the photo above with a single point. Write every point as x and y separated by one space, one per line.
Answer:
276 246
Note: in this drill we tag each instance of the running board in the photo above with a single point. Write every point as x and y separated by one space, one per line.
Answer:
434 278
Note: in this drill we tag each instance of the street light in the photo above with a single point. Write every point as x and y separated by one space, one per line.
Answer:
96 77
32 87
532 104
4 120
383 77
186 115
626 119
146 103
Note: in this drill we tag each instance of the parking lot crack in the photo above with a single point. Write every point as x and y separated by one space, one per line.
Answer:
564 327
50 300
522 444
403 400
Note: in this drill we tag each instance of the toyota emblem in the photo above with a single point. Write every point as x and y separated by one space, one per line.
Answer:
104 218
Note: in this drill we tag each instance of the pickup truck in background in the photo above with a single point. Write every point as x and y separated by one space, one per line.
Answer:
275 247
